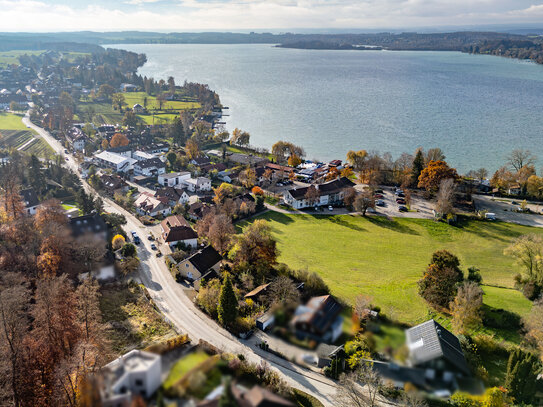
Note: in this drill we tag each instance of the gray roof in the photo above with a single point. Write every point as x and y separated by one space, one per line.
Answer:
92 223
152 162
29 197
429 341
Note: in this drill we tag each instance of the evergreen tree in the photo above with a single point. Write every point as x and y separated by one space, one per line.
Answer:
418 166
228 303
521 378
177 132
35 175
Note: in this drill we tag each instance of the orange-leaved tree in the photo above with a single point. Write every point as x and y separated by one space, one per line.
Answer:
119 140
430 178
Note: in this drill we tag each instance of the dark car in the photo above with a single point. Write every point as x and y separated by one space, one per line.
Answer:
378 196
153 246
379 191
402 208
380 202
401 195
400 201
150 237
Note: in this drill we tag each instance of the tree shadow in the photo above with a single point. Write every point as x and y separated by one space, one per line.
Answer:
391 224
340 221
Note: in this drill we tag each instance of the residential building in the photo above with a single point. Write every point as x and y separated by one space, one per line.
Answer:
113 184
149 205
280 172
84 168
76 138
246 159
128 87
330 193
200 184
151 167
138 109
174 196
198 161
156 148
91 224
175 230
117 162
136 373
172 179
319 319
30 199
200 263
255 397
122 150
142 155
198 210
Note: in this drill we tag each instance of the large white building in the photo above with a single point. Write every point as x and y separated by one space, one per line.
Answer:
135 373
199 184
151 167
173 178
117 162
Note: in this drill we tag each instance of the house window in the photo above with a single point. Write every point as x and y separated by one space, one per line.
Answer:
139 382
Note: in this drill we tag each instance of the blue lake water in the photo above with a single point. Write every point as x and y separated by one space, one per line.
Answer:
477 108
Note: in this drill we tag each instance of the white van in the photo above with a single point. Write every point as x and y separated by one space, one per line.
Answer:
490 216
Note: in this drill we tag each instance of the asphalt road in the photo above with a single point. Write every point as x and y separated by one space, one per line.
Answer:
171 299
505 210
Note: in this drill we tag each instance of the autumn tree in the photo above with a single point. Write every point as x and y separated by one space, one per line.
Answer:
528 253
362 306
294 161
239 138
346 172
130 119
502 178
333 173
118 101
119 140
104 144
12 206
208 295
106 91
256 190
349 197
438 286
430 177
466 308
534 186
363 201
255 246
228 303
191 149
312 195
357 159
247 177
281 150
218 229
533 324
117 242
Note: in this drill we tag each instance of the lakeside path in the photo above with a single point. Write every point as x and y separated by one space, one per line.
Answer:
177 308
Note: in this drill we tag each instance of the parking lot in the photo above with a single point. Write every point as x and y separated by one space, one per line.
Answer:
506 211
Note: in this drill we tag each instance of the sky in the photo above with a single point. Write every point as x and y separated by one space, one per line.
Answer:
199 15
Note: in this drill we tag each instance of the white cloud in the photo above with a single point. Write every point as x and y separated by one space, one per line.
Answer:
36 15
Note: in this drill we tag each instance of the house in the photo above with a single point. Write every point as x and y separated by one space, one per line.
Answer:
142 155
136 373
199 184
280 172
433 347
198 210
196 266
213 167
199 161
330 193
128 87
174 196
76 138
175 230
326 353
138 109
122 150
113 184
319 319
245 159
514 189
173 178
149 205
151 167
265 321
30 199
257 292
89 224
84 168
156 148
117 162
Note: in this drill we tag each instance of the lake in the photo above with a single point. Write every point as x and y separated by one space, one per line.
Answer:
477 108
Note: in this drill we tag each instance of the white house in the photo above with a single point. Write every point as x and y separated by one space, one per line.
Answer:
30 200
329 193
76 138
142 155
151 167
117 162
136 373
198 184
137 108
147 204
173 178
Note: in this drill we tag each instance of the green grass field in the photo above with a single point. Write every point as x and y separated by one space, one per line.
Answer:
182 366
385 258
12 57
11 121
132 98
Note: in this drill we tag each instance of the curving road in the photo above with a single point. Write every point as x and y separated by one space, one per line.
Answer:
171 299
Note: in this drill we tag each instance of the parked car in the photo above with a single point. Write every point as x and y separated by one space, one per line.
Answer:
490 216
398 192
330 208
135 237
401 195
379 191
378 196
380 202
514 203
150 237
159 254
280 184
153 246
402 208
400 201
371 210
65 151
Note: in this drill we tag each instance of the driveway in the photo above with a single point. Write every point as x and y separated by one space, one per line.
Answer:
504 210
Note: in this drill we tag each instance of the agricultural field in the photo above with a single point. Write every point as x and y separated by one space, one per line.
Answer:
384 258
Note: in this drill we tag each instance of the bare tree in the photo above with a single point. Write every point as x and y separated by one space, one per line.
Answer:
519 158
312 195
361 307
412 399
445 197
435 154
283 292
358 388
364 201
533 323
528 251
466 307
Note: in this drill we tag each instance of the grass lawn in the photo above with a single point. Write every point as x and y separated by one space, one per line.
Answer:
12 121
385 258
132 98
182 366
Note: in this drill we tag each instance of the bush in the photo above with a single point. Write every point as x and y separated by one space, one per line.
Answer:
531 290
129 250
302 399
474 275
168 345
